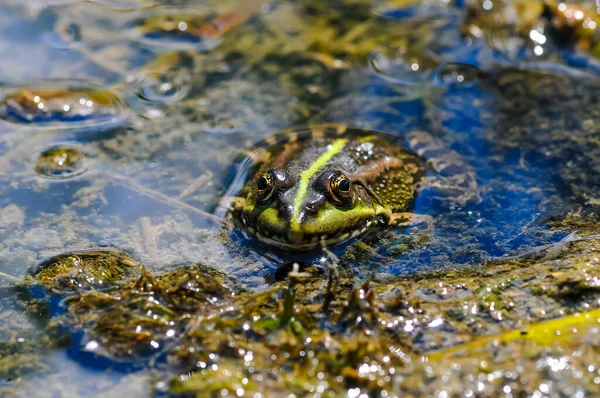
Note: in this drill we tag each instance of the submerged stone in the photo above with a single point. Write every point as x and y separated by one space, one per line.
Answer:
188 29
141 317
81 271
61 104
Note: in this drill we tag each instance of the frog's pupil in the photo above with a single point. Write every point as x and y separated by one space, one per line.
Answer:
344 185
262 184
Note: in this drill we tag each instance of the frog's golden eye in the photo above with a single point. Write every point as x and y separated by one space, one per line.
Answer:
339 188
265 185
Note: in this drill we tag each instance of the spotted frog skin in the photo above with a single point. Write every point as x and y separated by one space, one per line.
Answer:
324 185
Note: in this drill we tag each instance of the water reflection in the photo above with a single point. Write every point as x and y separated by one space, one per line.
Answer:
528 132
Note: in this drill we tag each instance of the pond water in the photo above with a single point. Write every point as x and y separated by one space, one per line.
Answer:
122 124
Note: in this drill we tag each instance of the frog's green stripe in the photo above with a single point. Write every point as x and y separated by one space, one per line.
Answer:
307 174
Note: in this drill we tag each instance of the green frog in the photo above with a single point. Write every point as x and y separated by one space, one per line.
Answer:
324 185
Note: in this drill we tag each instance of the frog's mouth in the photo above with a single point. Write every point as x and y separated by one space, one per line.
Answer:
301 240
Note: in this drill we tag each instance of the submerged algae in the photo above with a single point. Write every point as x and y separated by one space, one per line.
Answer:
530 134
479 328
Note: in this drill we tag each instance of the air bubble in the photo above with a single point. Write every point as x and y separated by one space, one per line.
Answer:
405 66
455 74
165 87
61 162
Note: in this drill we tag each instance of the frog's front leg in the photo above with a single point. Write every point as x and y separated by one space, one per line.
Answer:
407 219
450 178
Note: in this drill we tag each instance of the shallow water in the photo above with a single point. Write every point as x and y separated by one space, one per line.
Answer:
121 124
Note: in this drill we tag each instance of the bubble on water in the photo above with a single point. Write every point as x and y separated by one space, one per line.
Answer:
405 66
177 29
456 74
58 103
61 162
165 87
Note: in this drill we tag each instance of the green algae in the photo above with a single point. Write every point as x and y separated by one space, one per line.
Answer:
356 327
329 335
73 272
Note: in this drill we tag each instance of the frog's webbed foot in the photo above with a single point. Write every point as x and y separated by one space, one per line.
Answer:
411 220
452 179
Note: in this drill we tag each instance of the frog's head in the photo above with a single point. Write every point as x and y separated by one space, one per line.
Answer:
309 209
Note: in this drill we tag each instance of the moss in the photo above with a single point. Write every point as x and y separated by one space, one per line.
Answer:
85 270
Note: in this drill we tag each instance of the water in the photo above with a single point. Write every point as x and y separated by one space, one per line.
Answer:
120 126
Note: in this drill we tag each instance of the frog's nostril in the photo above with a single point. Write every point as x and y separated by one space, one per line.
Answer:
286 212
312 206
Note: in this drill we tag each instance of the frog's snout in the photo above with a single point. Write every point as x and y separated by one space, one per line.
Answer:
286 212
312 206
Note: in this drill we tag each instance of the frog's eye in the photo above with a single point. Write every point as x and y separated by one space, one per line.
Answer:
265 185
339 188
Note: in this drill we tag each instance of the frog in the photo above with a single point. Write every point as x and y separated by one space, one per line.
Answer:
324 185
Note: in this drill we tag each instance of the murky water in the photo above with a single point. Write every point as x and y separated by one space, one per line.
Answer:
122 123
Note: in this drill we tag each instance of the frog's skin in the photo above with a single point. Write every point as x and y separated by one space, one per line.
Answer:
324 185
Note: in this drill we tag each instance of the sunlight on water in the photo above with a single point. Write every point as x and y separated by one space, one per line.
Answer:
143 254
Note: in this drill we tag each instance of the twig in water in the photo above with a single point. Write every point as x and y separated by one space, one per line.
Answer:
132 184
